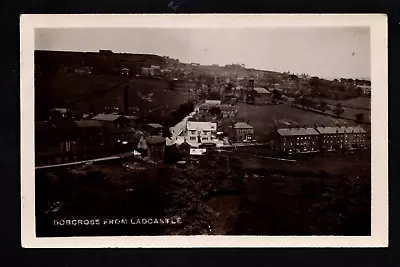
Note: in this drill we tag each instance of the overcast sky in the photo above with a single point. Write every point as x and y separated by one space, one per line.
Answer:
325 52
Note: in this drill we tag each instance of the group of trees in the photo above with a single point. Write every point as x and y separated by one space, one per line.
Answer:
276 95
309 103
180 113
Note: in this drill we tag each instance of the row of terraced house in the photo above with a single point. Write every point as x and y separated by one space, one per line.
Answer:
317 138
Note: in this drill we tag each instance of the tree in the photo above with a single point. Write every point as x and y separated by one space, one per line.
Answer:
215 111
359 116
276 94
315 82
338 110
293 77
214 96
297 101
323 106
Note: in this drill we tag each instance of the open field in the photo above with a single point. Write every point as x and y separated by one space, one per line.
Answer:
353 106
264 118
358 102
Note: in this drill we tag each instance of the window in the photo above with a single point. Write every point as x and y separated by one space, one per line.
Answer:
284 144
193 132
298 138
192 138
205 138
205 132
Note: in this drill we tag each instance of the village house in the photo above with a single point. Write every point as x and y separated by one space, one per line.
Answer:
243 131
155 148
262 96
184 86
228 111
91 134
113 120
55 141
299 139
339 137
117 127
213 102
125 71
155 70
366 89
200 132
154 129
83 70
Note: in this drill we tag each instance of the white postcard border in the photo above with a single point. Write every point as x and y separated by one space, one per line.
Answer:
379 120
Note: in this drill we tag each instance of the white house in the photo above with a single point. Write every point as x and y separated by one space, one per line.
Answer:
200 132
213 102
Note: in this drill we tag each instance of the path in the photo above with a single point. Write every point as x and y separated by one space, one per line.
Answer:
120 156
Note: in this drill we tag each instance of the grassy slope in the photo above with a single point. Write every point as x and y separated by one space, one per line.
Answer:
144 94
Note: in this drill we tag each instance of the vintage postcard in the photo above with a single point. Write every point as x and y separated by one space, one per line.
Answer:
204 130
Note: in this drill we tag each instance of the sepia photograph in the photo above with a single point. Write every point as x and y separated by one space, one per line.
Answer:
234 131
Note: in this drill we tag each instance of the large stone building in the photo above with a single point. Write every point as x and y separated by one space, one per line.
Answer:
339 137
305 139
300 139
243 131
262 96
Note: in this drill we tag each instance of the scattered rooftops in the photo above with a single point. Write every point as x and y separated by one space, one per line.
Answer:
131 117
297 131
88 123
341 129
106 117
197 151
242 125
261 90
155 125
60 110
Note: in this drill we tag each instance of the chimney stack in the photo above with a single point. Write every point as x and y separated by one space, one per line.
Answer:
251 82
126 100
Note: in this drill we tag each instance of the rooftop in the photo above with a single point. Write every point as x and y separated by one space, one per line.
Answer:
155 125
106 117
60 110
297 131
341 129
242 125
261 90
131 117
197 151
88 123
201 125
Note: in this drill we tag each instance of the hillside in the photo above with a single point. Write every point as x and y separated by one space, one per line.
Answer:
53 60
91 93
